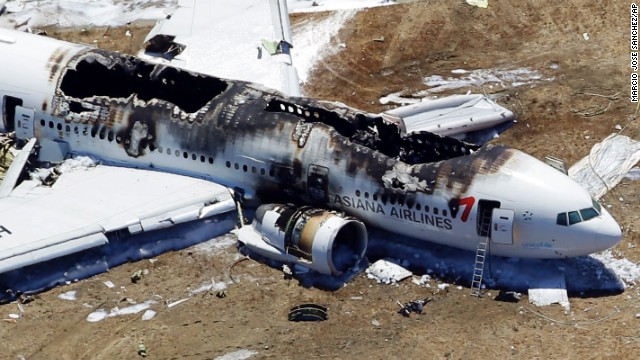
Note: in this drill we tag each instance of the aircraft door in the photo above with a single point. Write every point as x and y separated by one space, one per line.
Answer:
24 123
9 104
318 184
502 226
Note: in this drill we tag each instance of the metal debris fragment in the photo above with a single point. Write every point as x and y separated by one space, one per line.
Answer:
508 296
142 350
136 276
308 312
415 306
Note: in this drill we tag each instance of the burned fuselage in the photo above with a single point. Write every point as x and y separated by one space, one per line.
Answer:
273 148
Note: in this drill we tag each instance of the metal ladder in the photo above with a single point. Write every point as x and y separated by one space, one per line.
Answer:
481 256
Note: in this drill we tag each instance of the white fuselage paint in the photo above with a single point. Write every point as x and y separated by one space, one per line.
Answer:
532 192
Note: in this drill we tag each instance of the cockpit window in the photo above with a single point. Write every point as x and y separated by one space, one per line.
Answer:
562 219
597 206
574 217
588 214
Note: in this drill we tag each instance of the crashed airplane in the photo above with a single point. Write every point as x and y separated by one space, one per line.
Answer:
323 158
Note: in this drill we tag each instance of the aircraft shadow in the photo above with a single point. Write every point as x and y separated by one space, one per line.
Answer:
122 248
584 276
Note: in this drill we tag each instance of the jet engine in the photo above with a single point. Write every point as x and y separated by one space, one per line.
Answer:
325 241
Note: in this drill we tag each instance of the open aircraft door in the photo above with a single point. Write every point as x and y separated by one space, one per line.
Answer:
502 226
24 123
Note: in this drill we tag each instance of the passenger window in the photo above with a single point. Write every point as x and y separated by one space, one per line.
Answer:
588 214
562 219
574 217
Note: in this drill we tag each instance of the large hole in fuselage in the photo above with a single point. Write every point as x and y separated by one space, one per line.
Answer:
122 76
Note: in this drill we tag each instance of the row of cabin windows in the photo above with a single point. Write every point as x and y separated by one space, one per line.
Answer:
110 137
253 169
299 111
392 200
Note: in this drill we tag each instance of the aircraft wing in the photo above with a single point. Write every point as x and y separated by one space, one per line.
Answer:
88 205
241 39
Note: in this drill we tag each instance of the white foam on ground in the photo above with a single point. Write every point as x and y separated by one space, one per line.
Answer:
69 295
497 77
210 286
313 41
298 6
75 13
102 314
237 355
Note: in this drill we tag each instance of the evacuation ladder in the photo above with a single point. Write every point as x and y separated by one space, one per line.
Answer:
481 255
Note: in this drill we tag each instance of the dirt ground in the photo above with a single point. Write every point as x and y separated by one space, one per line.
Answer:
425 38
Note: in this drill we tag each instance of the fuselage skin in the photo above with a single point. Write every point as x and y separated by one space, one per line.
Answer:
272 148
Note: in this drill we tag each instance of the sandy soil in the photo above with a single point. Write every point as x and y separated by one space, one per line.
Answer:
420 39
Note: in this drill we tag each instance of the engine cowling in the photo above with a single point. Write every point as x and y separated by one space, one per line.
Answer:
325 241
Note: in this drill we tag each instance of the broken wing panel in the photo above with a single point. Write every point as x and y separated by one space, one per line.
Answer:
85 205
242 39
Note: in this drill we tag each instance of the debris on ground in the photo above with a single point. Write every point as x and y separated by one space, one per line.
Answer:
148 315
479 3
136 276
308 312
607 163
142 350
170 305
415 306
387 272
508 296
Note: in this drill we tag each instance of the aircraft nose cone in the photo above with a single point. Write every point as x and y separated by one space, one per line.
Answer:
609 233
